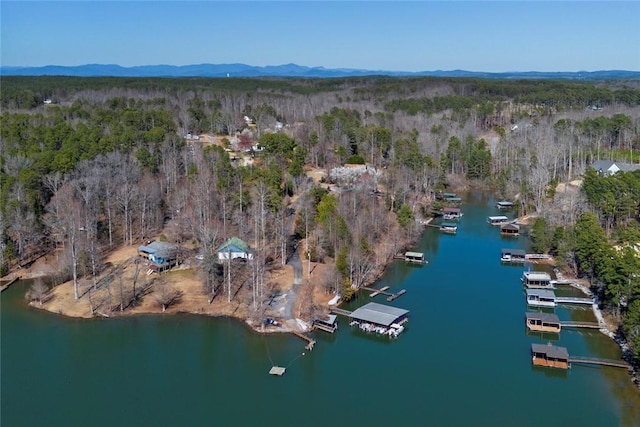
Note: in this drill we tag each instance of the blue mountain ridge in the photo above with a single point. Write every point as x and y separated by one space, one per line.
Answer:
292 70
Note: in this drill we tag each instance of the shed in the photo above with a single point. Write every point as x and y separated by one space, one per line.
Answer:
380 314
234 248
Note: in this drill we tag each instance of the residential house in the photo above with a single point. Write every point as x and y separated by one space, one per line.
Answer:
161 254
234 248
609 167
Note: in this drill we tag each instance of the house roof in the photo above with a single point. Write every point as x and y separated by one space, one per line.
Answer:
628 167
602 164
161 249
378 313
605 165
234 244
545 317
550 350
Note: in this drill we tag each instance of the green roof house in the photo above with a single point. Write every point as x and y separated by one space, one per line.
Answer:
234 248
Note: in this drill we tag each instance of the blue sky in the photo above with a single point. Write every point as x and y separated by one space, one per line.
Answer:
399 36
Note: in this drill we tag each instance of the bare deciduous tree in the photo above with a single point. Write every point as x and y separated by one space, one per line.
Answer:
165 294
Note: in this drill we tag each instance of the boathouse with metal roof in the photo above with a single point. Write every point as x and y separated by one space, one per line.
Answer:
379 314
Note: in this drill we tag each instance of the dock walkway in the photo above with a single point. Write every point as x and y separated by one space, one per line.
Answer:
396 295
574 300
376 292
590 325
310 341
601 362
390 296
340 311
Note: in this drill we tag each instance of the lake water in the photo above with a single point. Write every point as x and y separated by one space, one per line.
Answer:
464 359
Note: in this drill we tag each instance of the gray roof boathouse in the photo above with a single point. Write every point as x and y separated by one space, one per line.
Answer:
380 314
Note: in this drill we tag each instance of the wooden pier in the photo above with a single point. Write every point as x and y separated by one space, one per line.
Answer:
433 225
9 283
375 292
390 296
589 325
340 311
396 295
310 341
600 362
574 300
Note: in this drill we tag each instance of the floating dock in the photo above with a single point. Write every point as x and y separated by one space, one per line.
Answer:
375 292
277 370
396 295
390 296
558 357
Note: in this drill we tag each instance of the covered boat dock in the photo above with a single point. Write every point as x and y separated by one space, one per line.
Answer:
513 255
497 220
504 205
329 323
543 322
451 213
537 280
550 355
541 298
510 229
379 314
417 257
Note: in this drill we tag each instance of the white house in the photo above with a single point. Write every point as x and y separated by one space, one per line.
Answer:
234 248
609 167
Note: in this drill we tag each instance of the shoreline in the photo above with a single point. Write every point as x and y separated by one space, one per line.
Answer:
604 327
68 307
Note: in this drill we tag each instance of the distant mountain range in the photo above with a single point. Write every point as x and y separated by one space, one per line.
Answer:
290 70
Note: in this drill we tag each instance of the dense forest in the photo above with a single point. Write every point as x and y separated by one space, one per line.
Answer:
88 164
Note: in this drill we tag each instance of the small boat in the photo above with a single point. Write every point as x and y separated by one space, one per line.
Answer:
449 227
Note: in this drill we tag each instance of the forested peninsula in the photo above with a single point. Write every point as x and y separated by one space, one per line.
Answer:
318 183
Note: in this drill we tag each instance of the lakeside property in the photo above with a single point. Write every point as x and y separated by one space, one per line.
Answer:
219 359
